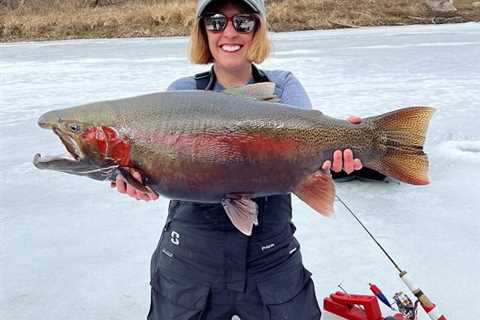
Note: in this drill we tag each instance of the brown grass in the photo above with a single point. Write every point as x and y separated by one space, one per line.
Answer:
56 19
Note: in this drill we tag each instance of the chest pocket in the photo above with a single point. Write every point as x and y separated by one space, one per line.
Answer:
197 213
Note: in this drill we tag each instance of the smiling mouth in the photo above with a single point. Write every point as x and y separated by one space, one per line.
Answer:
231 47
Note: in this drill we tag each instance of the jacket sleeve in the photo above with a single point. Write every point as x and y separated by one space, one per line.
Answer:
293 93
187 83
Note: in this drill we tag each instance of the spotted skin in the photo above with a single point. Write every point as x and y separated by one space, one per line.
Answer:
201 145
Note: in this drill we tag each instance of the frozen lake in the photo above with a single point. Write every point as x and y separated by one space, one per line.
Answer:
72 248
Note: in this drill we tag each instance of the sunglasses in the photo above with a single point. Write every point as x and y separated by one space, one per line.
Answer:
244 23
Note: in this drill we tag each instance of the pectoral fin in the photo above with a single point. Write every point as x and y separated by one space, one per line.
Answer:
242 212
131 180
318 191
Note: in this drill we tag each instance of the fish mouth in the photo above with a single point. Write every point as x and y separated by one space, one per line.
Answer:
75 161
51 120
73 157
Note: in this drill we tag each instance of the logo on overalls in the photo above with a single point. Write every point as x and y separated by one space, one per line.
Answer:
268 246
175 238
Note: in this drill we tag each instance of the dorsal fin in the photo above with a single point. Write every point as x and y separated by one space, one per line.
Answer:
257 91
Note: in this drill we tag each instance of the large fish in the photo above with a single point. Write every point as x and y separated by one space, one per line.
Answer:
230 147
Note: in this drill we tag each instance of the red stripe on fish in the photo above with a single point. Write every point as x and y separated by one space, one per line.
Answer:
229 145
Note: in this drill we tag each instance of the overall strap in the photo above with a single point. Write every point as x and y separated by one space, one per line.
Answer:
206 80
259 75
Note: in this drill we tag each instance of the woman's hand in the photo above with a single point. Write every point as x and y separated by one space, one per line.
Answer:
123 187
344 160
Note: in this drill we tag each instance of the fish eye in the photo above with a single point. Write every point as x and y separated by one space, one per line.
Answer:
74 127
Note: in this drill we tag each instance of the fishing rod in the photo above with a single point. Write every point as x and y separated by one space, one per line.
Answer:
427 305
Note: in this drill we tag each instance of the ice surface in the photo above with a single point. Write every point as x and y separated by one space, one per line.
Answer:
72 248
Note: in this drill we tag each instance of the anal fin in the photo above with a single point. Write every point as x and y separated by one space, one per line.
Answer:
318 191
242 212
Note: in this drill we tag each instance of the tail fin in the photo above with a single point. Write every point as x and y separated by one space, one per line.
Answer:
401 136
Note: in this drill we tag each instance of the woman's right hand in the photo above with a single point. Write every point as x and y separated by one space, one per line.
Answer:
123 187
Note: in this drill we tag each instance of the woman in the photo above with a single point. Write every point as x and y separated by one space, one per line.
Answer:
203 267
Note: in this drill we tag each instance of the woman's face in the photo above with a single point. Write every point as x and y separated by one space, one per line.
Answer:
229 48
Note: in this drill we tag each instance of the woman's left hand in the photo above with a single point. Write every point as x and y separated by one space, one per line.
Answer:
344 160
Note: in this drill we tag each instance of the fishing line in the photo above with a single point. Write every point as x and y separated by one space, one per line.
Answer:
369 233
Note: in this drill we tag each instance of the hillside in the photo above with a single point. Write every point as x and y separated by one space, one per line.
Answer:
55 19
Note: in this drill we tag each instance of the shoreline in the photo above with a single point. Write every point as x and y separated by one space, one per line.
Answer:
154 18
185 37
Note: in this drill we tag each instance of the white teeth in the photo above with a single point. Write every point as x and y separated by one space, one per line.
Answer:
231 47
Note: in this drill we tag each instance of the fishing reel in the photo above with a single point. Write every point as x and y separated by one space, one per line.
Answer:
405 306
366 307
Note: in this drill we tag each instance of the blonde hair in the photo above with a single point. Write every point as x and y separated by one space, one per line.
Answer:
199 53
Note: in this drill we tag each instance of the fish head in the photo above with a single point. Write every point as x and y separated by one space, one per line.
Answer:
69 131
95 148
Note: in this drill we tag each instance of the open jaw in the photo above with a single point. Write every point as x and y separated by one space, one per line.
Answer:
75 161
62 162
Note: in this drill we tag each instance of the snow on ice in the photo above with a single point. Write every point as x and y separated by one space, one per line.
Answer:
72 248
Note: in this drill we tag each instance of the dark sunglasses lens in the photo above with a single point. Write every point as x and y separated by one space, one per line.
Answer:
244 23
215 23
